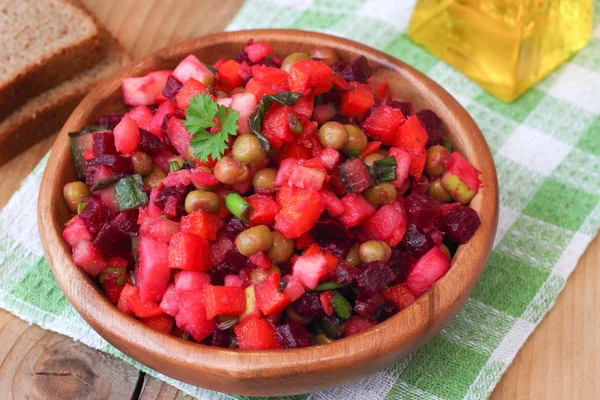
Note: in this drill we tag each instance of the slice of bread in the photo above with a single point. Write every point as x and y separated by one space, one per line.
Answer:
43 43
45 114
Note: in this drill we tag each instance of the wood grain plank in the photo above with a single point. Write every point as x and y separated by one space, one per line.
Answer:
560 360
36 364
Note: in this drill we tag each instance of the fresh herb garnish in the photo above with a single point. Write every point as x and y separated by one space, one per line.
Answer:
201 115
266 101
448 145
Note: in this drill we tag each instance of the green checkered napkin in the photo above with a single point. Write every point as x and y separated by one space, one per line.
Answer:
547 152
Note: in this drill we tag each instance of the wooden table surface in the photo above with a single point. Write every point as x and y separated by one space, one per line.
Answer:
560 360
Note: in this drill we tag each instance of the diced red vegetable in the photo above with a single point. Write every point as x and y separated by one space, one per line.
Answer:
75 231
189 252
309 270
268 298
428 270
399 295
224 300
300 209
383 123
131 303
264 209
254 334
88 258
357 324
307 76
357 101
154 269
356 210
325 298
201 223
276 125
162 323
257 51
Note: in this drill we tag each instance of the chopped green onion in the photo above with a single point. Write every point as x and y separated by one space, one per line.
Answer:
385 169
174 166
135 245
213 69
119 272
238 206
224 322
131 277
341 306
80 206
328 286
282 285
294 124
163 216
185 336
448 145
329 327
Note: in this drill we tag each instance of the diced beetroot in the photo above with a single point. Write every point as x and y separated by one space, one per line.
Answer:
357 100
159 228
310 269
154 269
344 273
255 334
416 242
162 323
224 300
356 210
191 317
373 277
257 51
151 144
307 178
461 179
460 224
189 252
127 135
233 280
131 303
429 119
399 295
178 135
300 210
382 224
103 143
268 298
422 210
357 324
191 67
428 270
201 223
325 298
292 335
109 120
304 241
332 204
264 209
219 248
355 175
142 116
75 231
172 87
170 301
403 160
88 258
115 236
190 281
251 309
144 90
94 215
368 307
293 288
245 104
383 123
157 120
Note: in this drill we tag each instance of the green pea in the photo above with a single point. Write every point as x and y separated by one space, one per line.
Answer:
357 140
255 239
293 59
247 149
333 134
74 192
374 250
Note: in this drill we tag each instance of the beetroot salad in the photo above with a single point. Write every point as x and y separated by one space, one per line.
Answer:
266 201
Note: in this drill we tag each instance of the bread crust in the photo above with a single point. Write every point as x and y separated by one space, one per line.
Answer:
44 115
54 68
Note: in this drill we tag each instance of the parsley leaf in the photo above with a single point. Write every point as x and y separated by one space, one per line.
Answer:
266 101
200 116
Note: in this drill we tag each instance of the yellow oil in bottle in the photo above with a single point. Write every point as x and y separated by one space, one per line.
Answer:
504 45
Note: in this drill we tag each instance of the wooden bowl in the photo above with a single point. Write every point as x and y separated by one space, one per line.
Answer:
273 372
